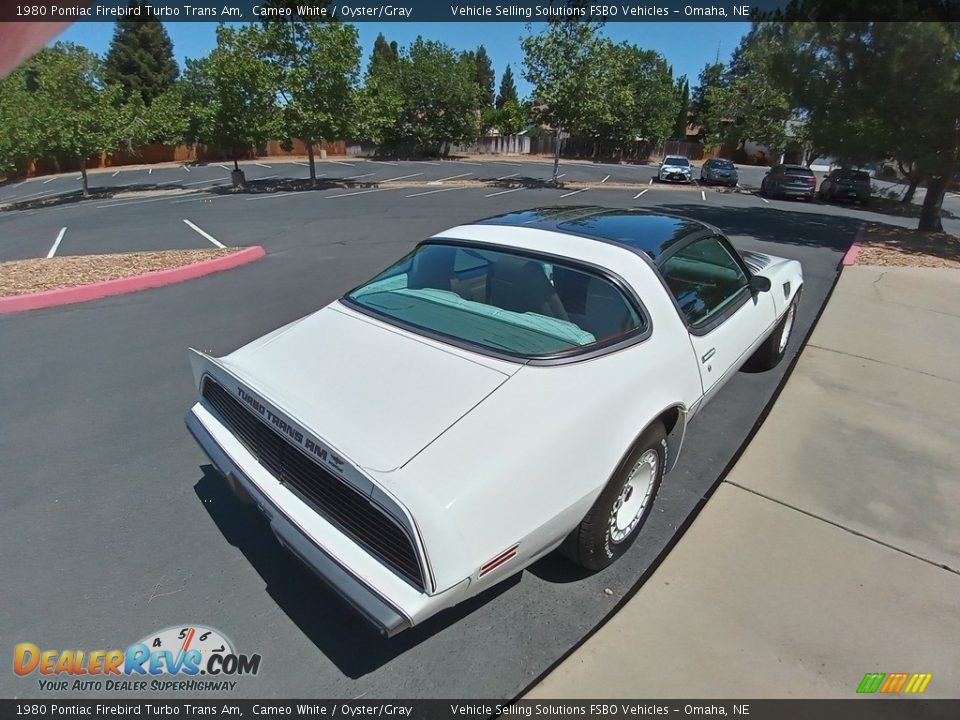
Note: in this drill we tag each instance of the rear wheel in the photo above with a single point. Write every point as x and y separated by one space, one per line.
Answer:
771 352
614 521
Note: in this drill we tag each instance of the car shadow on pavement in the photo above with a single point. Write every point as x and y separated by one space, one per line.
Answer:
777 225
330 624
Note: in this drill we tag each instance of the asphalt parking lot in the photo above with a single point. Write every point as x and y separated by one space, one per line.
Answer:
114 522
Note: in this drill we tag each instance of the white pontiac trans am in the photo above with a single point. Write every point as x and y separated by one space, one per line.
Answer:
510 387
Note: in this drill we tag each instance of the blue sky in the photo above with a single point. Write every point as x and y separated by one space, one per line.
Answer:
687 46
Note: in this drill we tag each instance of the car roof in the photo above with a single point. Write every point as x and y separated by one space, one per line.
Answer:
676 157
639 230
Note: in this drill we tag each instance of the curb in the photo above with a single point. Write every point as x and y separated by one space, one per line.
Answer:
122 286
850 257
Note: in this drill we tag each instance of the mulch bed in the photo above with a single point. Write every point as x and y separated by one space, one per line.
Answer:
38 274
889 246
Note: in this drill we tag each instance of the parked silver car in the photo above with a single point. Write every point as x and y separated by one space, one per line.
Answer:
675 168
717 171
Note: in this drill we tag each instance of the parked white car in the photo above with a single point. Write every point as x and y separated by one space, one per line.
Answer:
511 387
675 168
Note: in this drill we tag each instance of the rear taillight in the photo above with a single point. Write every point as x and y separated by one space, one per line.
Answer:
812 180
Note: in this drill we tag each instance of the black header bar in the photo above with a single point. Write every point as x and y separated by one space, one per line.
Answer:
486 10
854 709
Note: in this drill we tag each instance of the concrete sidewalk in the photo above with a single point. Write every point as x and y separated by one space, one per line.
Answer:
832 549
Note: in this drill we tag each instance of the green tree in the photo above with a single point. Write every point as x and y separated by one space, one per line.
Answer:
508 89
318 67
710 77
19 140
750 103
509 119
423 101
683 111
483 75
635 96
561 64
77 116
140 58
875 90
383 52
231 94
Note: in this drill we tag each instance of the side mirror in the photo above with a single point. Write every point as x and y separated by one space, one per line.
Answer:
759 284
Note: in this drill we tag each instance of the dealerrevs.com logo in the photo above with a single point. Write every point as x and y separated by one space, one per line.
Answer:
188 658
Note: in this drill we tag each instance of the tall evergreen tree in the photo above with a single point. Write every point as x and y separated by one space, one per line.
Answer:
140 58
383 51
485 76
680 125
710 77
508 90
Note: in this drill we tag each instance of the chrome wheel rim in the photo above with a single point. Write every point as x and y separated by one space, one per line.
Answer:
634 497
787 327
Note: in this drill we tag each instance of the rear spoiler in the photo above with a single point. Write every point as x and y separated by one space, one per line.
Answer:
202 364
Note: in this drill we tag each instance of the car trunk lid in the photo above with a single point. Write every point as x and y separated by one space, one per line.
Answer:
374 393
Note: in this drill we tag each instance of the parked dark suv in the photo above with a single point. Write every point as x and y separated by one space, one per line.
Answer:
845 185
719 171
789 181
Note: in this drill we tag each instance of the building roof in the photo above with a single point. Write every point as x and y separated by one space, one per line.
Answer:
651 233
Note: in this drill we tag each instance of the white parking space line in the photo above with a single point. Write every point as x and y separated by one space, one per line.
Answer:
223 166
641 193
605 179
383 162
426 162
464 162
431 192
359 192
205 234
339 162
268 167
564 174
764 199
48 181
150 171
56 243
186 168
195 198
574 192
703 196
402 177
136 202
504 162
271 196
508 176
301 164
452 177
504 192
115 174
651 182
357 177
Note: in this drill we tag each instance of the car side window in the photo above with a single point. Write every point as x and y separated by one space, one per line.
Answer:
705 279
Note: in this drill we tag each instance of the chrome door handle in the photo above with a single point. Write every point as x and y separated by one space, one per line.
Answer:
708 354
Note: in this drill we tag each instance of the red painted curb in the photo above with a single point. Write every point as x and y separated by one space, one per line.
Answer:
121 286
850 258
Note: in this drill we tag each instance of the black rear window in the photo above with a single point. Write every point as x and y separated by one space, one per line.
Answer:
722 164
857 175
799 171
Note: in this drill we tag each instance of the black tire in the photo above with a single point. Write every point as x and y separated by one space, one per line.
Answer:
771 352
592 545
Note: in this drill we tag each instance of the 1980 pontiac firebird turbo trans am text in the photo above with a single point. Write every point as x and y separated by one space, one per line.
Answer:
511 387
